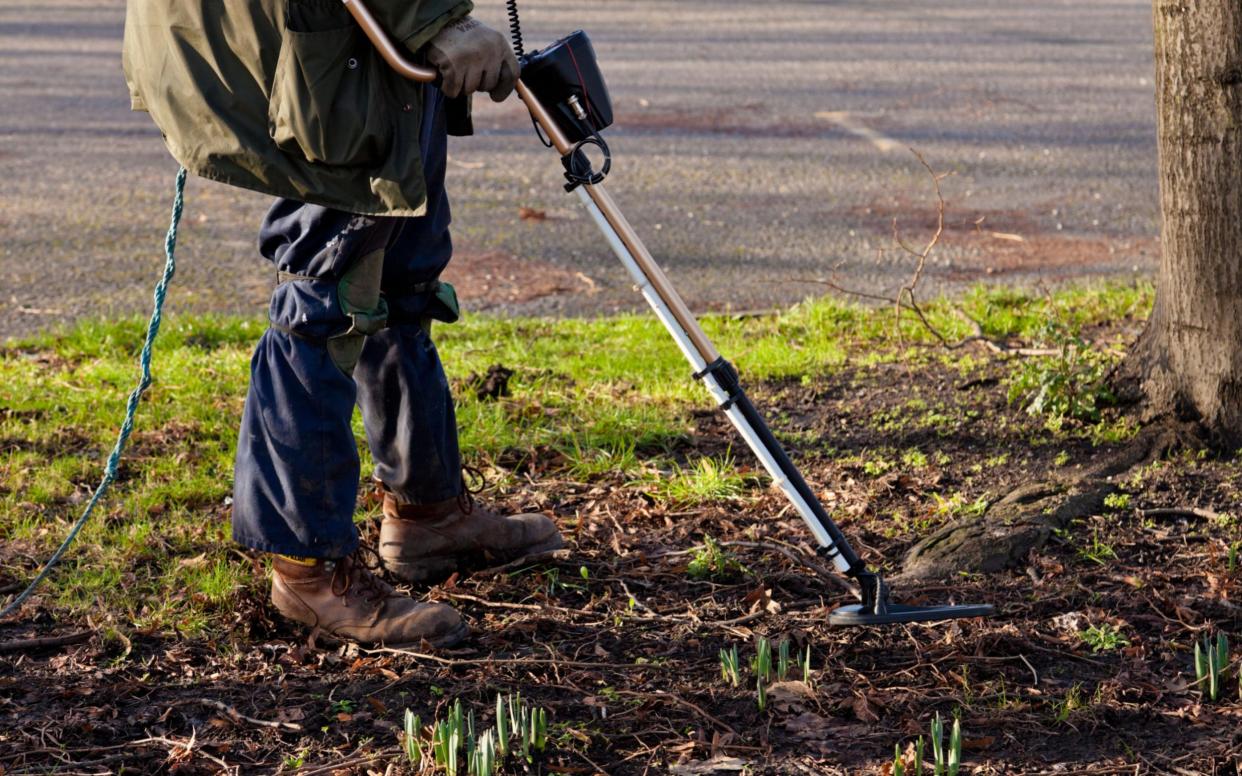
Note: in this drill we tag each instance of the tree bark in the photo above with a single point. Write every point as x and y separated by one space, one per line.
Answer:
1187 363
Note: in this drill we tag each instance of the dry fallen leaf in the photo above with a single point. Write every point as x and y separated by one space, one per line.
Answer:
978 744
290 714
198 561
760 600
705 767
789 696
862 709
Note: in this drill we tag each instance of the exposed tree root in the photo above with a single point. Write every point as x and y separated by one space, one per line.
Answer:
1021 522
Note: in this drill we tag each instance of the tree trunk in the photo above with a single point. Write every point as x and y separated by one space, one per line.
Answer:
1188 361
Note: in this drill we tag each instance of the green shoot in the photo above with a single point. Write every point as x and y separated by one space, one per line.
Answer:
955 747
899 765
782 661
1201 666
524 733
1211 660
1222 652
539 729
1069 704
445 743
947 761
502 727
413 724
1098 551
1118 501
485 751
806 666
730 666
481 761
761 696
1067 386
761 665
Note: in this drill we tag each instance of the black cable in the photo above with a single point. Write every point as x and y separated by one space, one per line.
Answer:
578 167
515 28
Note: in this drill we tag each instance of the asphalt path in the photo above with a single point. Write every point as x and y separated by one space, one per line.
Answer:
760 148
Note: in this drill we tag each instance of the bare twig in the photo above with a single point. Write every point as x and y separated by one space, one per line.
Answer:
921 256
905 300
528 560
492 661
539 608
340 766
810 561
236 715
996 346
1206 514
187 746
681 702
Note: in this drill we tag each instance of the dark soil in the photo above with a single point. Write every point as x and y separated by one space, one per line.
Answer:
624 654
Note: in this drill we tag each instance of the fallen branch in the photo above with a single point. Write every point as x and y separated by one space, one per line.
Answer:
43 642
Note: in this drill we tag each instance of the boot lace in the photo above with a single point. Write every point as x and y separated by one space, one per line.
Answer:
465 499
356 572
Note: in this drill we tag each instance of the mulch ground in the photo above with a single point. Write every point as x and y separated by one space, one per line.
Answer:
624 655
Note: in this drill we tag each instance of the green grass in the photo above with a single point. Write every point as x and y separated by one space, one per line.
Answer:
608 397
707 479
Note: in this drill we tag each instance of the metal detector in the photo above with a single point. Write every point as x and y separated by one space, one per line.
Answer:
568 101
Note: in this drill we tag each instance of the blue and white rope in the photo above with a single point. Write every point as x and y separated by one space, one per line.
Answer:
144 382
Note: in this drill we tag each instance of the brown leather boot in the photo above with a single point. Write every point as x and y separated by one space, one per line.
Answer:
427 542
343 598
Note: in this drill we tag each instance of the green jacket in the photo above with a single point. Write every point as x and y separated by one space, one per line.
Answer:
286 97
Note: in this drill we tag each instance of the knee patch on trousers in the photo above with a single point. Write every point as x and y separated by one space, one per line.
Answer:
359 295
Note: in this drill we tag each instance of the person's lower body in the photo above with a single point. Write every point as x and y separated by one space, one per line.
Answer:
346 329
331 345
349 325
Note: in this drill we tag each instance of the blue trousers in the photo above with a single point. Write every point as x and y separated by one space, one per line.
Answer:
297 470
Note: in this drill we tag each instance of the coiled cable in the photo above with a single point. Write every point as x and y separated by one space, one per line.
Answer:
515 28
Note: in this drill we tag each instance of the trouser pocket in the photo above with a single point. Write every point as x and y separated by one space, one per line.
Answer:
358 294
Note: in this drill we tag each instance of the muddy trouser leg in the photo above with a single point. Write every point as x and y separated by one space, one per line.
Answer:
408 413
402 390
296 473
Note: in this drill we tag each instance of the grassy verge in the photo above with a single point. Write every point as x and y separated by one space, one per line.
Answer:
598 398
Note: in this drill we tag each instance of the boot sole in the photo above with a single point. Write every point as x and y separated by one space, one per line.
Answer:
436 568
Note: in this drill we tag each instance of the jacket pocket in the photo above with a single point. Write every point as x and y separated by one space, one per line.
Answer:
326 103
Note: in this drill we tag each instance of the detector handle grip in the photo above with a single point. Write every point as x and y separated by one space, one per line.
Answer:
386 48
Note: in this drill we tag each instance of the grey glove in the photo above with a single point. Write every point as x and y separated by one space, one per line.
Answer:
472 57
